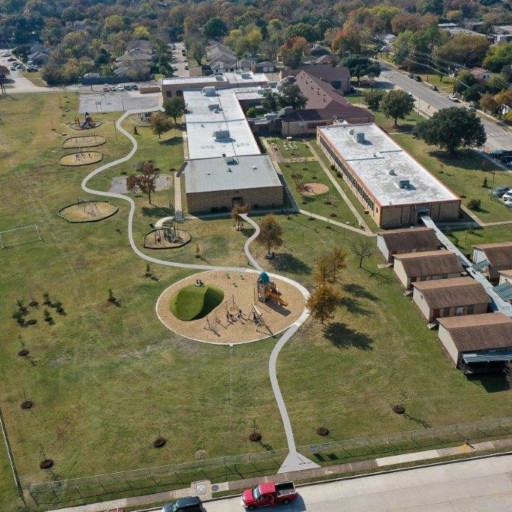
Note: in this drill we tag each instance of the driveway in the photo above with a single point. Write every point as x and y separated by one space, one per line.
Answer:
430 101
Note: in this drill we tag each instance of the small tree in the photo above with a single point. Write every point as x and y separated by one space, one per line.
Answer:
111 297
271 233
474 204
397 104
484 183
362 248
175 107
373 98
323 302
159 123
235 215
337 259
146 180
359 66
323 269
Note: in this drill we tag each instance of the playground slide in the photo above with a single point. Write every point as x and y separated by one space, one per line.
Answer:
278 299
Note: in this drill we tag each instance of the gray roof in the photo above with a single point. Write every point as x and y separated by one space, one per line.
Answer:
243 172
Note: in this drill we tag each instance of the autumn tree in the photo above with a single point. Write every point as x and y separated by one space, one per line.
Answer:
293 50
323 269
337 259
145 179
362 248
323 302
271 233
159 123
235 215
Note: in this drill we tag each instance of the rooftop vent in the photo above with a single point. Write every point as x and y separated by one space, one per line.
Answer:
231 160
221 134
360 137
404 183
392 172
209 91
254 167
214 106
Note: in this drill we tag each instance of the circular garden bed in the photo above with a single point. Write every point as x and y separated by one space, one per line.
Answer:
84 141
81 158
88 211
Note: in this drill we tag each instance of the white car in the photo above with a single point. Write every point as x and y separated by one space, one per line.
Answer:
454 98
508 203
507 197
120 87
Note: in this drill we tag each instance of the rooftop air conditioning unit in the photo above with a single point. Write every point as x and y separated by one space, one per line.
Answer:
209 91
214 106
221 134
360 137
404 183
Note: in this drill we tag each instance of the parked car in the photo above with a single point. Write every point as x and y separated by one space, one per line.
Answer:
192 504
186 67
135 87
106 88
120 88
418 78
269 494
500 191
13 68
410 75
112 88
507 196
453 98
11 59
127 87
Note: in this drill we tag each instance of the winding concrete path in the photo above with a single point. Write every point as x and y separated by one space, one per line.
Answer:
294 461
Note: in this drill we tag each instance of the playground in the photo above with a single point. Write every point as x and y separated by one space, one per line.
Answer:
88 211
81 158
88 123
169 236
85 141
254 307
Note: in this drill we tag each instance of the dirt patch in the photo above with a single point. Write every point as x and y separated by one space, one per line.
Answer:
315 189
81 158
88 211
239 294
87 141
119 183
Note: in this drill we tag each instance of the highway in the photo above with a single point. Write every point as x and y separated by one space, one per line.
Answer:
429 101
481 485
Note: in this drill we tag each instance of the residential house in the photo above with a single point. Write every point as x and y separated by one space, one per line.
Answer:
400 241
481 74
491 258
502 33
425 266
264 67
337 77
477 343
38 54
504 288
450 297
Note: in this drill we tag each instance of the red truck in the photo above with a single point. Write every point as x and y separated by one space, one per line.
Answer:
269 494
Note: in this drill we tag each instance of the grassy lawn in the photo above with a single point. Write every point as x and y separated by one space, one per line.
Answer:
108 380
35 77
444 85
312 172
293 149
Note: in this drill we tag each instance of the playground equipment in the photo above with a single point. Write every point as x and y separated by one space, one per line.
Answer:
170 232
86 124
268 289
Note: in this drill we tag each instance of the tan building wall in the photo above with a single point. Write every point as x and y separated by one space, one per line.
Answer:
203 202
431 314
447 342
408 280
309 127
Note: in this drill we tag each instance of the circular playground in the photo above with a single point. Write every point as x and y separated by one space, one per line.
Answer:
230 308
166 238
84 141
81 158
315 189
88 211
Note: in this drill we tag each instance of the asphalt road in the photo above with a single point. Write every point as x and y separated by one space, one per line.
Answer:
179 60
430 101
482 485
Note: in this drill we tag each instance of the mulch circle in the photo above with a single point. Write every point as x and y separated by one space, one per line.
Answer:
322 431
34 304
159 442
23 353
46 464
255 437
399 409
27 404
32 321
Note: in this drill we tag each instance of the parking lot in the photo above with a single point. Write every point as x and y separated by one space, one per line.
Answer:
117 101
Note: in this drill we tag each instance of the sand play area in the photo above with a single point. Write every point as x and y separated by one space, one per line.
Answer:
81 158
225 324
315 189
88 211
86 141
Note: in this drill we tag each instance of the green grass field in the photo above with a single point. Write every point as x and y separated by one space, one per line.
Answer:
106 380
293 149
193 302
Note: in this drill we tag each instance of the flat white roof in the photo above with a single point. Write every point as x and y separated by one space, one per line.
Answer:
219 112
380 163
233 79
215 174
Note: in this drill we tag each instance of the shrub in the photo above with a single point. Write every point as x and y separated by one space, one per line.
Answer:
474 204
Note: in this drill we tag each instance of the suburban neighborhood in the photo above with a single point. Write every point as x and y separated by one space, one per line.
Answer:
255 255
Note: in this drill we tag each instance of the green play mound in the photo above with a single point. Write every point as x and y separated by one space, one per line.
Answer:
193 302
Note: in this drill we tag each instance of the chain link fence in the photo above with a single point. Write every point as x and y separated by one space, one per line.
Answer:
164 478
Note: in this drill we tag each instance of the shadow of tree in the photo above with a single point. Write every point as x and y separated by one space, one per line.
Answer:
288 262
359 291
341 336
156 211
354 306
419 421
173 141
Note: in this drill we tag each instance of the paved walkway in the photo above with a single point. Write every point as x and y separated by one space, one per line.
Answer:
337 223
237 486
341 192
294 461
